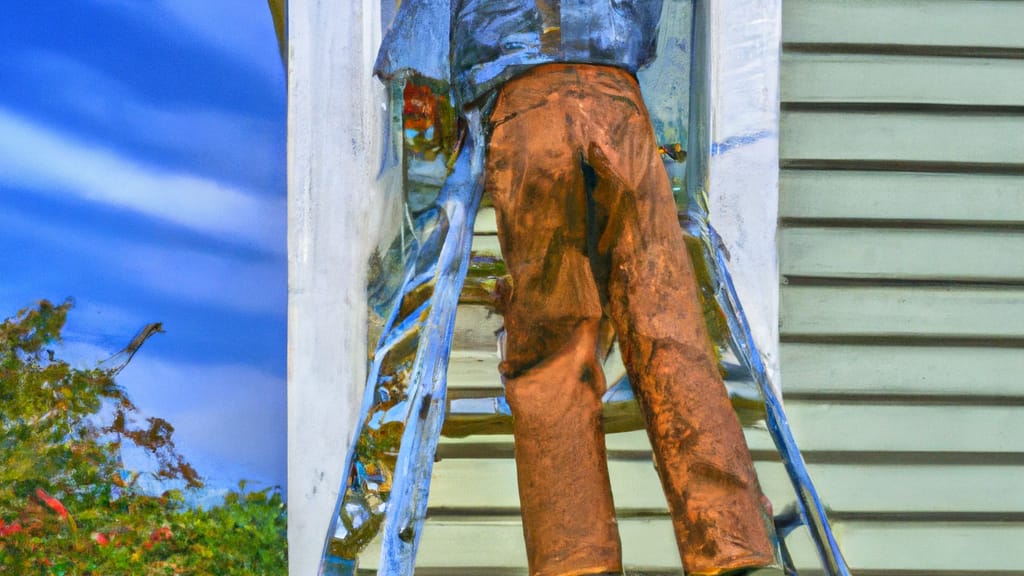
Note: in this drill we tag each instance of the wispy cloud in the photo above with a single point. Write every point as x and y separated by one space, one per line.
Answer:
96 330
259 287
57 163
242 29
244 284
209 137
230 419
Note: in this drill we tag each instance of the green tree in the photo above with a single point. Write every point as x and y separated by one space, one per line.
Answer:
67 504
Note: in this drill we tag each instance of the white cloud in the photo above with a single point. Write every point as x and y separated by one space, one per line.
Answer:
259 287
242 29
82 354
209 135
56 163
96 330
229 419
91 315
235 283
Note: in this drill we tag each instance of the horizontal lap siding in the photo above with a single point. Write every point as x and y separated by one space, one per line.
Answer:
902 137
894 252
866 78
902 255
853 196
948 25
984 544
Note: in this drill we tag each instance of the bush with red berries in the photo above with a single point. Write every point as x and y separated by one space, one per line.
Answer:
68 507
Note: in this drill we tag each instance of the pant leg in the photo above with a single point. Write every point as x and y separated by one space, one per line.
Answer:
699 448
553 380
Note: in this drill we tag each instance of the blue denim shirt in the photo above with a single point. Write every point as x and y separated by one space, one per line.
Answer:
479 44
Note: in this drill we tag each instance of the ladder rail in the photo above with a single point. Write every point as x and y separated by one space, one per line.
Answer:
808 501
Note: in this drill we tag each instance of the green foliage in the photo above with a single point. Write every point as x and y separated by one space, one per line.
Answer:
68 506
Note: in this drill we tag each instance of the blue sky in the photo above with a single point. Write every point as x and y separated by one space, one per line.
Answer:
142 173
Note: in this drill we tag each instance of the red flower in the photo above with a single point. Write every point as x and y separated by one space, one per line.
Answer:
8 529
161 533
52 502
100 538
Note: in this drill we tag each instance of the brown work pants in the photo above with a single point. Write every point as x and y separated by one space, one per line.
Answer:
588 225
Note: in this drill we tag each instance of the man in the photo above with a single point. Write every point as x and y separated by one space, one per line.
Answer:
588 228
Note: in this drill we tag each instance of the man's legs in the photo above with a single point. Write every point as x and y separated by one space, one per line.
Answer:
699 448
553 380
582 201
568 515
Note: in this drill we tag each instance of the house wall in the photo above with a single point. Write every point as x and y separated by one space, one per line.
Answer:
902 255
901 249
474 523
